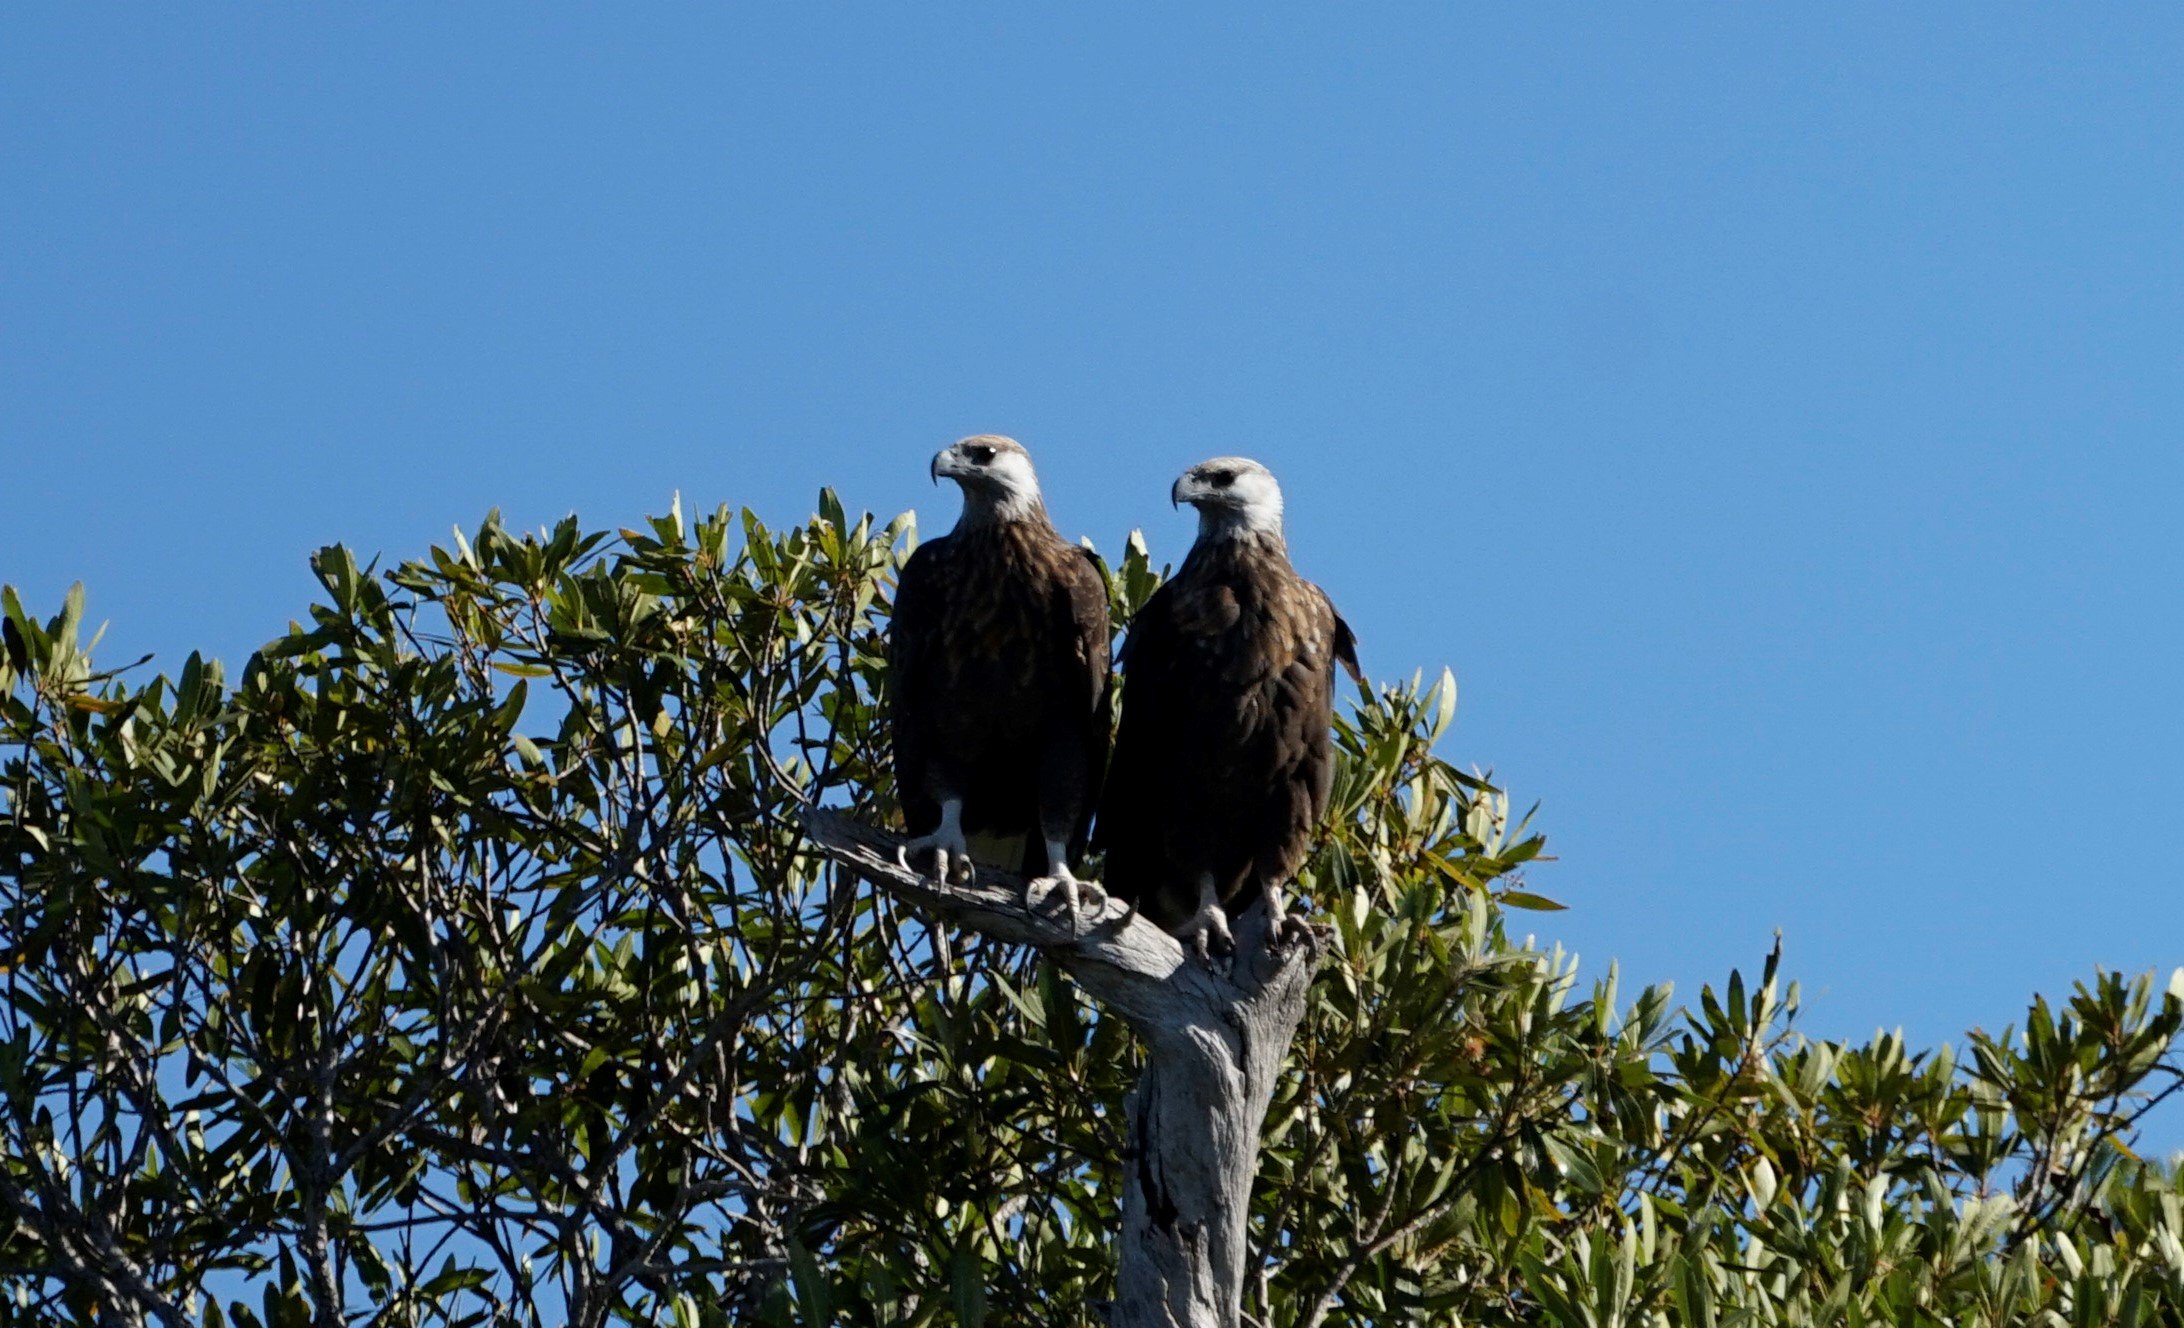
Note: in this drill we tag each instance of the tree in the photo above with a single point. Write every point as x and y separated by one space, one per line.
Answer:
465 960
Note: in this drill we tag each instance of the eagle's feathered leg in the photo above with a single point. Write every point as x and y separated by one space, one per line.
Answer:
1060 878
1207 930
950 849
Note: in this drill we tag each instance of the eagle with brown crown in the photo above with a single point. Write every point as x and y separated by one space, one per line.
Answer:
1225 760
997 655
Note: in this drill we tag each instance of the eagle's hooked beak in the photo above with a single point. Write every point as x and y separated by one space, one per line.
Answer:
1175 491
934 469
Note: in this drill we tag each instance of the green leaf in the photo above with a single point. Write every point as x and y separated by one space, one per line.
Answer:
1526 899
814 1298
966 1287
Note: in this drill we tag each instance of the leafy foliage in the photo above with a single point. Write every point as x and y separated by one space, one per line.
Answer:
458 963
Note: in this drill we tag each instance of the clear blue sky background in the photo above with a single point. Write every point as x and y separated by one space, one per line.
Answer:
1774 421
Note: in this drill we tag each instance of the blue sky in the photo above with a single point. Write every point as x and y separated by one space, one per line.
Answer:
1774 421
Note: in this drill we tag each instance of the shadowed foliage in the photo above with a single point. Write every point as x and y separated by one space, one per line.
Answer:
456 961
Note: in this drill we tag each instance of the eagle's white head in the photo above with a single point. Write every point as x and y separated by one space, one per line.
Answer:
1235 496
996 477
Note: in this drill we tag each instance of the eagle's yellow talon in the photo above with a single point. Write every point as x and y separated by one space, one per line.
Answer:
947 847
1076 895
1209 936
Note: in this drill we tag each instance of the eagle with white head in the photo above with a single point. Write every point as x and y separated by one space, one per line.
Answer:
1225 760
998 654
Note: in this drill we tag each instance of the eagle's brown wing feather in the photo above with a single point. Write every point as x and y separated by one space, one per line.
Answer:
1080 720
913 639
1345 641
1129 828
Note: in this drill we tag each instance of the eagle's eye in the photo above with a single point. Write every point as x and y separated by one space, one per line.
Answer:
1221 479
979 453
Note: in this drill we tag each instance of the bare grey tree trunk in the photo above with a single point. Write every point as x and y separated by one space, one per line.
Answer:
1214 1045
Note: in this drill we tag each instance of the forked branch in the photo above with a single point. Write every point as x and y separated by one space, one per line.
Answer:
1214 1045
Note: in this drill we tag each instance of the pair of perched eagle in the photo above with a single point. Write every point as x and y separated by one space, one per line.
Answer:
999 657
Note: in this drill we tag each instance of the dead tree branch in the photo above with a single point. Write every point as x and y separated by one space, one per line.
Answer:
1214 1044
